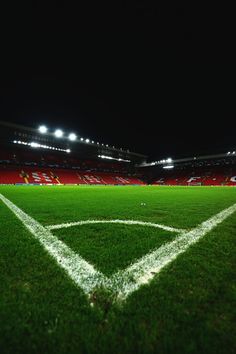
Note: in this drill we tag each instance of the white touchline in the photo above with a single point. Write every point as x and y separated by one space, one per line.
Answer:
124 282
80 271
114 221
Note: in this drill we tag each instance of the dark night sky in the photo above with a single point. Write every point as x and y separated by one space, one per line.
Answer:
155 79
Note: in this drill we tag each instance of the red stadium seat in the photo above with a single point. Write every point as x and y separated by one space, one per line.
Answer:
38 175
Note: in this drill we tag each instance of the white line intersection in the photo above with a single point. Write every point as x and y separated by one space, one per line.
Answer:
124 282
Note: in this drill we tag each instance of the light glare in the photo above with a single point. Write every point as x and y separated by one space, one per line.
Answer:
43 129
168 166
58 133
72 136
112 158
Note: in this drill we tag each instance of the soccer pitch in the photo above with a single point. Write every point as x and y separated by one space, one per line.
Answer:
101 269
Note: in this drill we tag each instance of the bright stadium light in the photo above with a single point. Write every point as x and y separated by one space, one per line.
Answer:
81 139
112 158
168 166
72 137
58 133
34 145
169 160
42 129
87 140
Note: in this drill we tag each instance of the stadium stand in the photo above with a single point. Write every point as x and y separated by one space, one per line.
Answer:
25 159
23 166
27 167
212 177
38 175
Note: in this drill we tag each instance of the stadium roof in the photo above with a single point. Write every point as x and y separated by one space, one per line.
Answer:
82 147
194 159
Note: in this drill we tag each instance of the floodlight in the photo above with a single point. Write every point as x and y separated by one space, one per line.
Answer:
112 158
35 145
168 166
42 129
68 151
87 140
72 137
58 133
169 160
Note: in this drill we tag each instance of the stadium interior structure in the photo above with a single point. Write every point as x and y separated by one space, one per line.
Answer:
28 156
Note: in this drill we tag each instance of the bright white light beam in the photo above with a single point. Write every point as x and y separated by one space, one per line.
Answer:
168 166
43 129
72 137
58 133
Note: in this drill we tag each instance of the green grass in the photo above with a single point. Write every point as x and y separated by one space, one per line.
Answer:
113 247
188 308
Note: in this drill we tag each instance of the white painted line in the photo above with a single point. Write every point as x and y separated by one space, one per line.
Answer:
81 272
125 282
144 270
116 221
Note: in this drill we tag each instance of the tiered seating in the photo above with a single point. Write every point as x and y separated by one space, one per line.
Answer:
231 181
213 178
121 180
133 180
107 178
9 176
52 159
68 177
37 175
